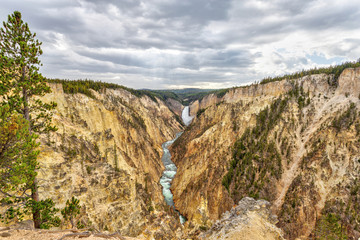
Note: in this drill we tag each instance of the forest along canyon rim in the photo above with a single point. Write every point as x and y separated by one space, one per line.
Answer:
170 168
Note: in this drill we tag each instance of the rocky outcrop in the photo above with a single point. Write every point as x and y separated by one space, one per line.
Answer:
208 100
174 106
107 153
316 137
250 219
349 82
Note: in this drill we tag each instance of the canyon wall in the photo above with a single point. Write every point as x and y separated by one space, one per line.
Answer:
293 142
107 153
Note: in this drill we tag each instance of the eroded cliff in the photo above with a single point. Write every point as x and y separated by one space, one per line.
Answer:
107 153
293 142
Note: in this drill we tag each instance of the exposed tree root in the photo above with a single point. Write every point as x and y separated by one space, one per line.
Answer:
88 234
79 235
4 229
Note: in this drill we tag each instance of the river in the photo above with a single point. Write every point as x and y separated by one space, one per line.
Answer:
170 168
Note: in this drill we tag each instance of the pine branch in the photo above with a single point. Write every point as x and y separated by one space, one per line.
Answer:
13 196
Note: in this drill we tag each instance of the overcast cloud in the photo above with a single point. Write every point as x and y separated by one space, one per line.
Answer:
189 43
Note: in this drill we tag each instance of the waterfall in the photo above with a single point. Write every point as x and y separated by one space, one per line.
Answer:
186 116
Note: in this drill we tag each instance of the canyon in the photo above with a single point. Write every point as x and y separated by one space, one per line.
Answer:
277 160
294 143
107 153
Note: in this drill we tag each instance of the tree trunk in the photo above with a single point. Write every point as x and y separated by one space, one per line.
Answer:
36 211
34 186
72 222
25 99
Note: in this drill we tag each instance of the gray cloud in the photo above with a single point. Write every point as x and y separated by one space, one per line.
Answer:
201 43
200 11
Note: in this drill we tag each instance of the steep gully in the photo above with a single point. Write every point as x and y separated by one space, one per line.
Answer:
170 168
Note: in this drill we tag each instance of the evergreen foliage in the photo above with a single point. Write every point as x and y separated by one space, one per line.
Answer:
256 161
18 167
18 163
71 210
340 219
200 111
330 227
336 70
185 96
47 211
165 94
84 86
20 83
255 158
20 79
189 95
346 119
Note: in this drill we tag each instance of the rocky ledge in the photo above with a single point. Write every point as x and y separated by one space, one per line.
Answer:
250 219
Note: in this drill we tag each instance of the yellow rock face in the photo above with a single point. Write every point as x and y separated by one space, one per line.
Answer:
107 153
349 82
203 153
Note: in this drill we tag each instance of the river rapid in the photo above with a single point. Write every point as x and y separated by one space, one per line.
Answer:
170 168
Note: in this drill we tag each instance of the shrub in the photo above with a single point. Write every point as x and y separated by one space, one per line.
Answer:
71 210
47 212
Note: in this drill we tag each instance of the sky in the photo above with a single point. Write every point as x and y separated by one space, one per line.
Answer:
167 44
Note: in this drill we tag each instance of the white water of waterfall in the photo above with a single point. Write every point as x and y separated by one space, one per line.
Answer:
186 116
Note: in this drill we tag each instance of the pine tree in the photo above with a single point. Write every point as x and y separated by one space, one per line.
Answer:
21 83
17 162
71 210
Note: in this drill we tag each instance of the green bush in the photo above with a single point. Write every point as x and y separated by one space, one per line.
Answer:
71 210
47 212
